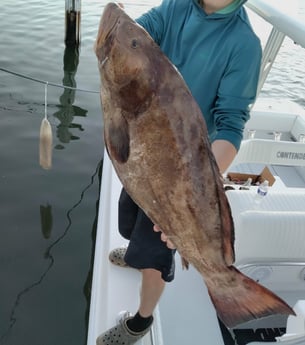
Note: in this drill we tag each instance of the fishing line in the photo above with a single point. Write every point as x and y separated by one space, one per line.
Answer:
20 75
45 138
45 99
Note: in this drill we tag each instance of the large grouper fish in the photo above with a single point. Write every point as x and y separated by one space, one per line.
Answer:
157 140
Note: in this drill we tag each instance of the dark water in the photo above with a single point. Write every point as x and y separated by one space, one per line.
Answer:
48 218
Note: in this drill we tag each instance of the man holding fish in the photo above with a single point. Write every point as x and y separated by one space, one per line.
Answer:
212 45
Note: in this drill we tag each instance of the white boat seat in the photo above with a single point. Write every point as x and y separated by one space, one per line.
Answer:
269 241
270 236
273 233
278 200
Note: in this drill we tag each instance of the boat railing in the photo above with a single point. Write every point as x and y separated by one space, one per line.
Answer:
283 25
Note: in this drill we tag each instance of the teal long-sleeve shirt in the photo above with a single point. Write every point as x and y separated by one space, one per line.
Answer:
218 56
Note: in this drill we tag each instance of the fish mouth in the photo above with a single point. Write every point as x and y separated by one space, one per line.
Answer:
108 23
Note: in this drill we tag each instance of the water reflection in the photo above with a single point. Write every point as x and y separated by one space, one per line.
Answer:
46 220
46 223
67 110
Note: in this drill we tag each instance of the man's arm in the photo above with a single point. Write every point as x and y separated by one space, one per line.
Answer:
224 153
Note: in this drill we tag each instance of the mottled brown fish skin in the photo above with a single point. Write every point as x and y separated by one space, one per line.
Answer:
157 140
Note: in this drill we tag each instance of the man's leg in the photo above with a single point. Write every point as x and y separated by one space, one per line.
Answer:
152 288
151 291
130 330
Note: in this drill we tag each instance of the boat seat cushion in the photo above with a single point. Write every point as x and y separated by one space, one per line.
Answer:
270 236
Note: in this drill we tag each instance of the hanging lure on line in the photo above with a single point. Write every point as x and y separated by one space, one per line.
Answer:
45 143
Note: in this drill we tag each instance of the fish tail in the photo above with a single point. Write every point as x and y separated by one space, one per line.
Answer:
239 299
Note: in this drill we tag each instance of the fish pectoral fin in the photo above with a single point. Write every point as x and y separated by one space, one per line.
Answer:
238 299
117 139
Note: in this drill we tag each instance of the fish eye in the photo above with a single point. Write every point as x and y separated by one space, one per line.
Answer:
134 43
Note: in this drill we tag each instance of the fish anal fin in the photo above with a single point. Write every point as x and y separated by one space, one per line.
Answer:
243 299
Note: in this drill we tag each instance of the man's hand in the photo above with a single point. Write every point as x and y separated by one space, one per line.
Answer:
164 238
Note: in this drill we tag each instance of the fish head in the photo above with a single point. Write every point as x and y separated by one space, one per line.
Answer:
126 59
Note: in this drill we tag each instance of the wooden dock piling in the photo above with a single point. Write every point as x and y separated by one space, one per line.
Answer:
72 22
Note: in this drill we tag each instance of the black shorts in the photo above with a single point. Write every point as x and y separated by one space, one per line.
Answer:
145 249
